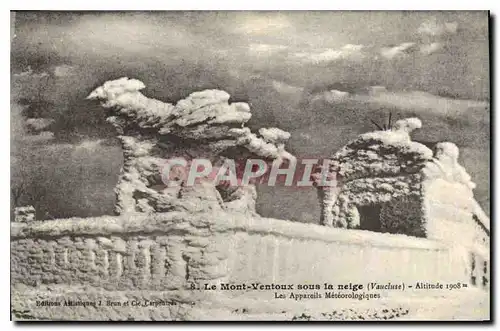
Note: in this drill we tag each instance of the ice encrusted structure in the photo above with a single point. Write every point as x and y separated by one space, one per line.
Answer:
203 125
25 214
385 177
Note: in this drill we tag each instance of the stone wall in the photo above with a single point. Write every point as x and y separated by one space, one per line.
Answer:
160 256
160 252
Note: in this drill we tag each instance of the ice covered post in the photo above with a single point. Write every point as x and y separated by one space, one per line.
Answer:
202 126
325 182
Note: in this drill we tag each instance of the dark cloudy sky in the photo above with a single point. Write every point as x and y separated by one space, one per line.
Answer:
311 73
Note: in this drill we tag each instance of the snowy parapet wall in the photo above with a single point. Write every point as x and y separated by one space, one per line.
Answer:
203 125
157 257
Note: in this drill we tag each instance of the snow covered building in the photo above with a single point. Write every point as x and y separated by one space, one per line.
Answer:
385 182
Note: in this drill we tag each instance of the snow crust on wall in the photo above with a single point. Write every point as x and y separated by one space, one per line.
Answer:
203 125
160 255
167 250
268 259
219 221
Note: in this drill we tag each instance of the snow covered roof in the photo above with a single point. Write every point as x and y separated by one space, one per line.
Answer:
393 153
383 153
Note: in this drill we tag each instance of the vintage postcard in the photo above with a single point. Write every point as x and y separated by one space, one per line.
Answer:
250 166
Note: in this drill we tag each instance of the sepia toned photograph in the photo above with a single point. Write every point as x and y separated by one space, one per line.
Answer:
250 166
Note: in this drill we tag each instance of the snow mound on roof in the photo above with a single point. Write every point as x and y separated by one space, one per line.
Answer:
383 153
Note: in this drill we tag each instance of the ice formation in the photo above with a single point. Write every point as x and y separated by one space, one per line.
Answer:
203 125
446 164
400 185
376 166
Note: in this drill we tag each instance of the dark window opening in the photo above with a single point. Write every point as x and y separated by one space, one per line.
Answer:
369 217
